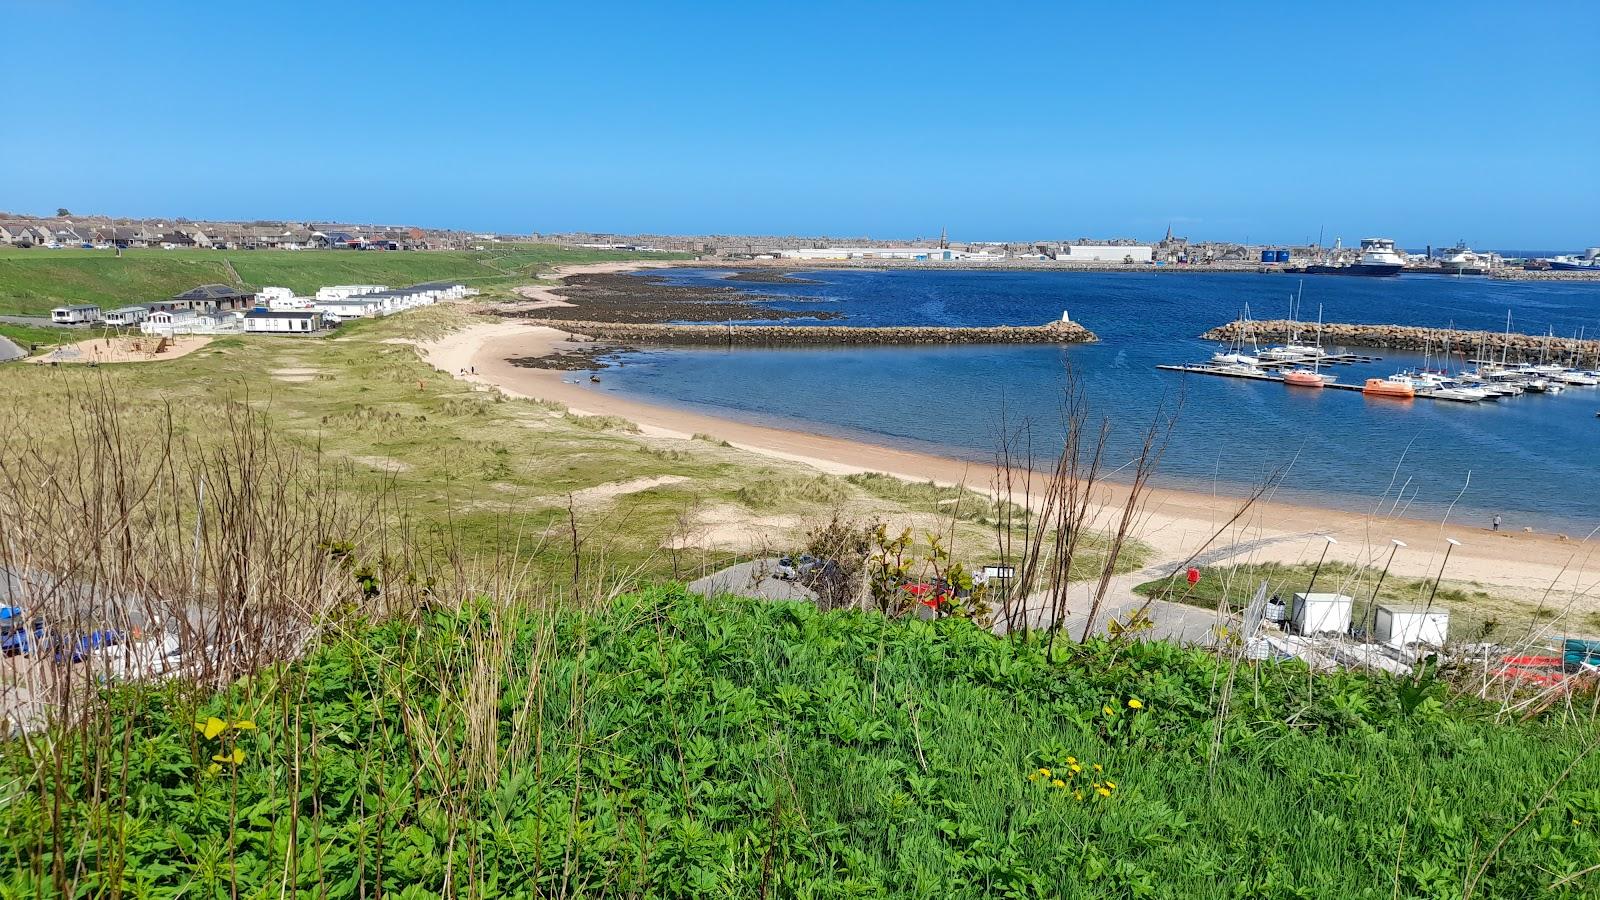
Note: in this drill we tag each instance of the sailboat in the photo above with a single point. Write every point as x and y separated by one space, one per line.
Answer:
1300 376
1235 355
1296 350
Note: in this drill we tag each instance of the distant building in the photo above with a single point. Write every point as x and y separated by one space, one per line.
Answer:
208 298
77 314
281 299
127 316
169 322
261 321
346 291
1105 253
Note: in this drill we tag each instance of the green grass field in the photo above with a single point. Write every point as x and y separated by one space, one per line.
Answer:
466 459
32 281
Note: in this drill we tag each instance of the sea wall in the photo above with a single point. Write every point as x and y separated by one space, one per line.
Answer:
1510 274
1410 337
821 335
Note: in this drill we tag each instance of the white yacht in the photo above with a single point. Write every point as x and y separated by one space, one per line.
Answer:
1462 260
1378 257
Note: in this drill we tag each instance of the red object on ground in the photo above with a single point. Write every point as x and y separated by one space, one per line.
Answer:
1194 575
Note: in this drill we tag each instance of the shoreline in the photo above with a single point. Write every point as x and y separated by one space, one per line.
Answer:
1174 522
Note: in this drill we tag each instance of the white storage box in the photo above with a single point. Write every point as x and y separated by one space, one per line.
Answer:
1321 613
1400 626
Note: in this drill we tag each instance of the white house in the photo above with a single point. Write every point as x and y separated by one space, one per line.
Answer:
346 291
127 316
362 307
77 314
262 321
168 322
281 298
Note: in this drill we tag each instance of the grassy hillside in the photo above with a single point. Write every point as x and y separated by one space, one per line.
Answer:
32 281
468 460
665 745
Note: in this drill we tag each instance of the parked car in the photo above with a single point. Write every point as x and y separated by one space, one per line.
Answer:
793 568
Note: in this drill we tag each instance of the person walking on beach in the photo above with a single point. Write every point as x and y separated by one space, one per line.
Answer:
1497 522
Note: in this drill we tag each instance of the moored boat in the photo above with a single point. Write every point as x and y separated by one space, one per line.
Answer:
1306 378
1378 258
1389 387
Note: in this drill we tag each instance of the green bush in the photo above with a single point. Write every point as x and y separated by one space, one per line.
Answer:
669 745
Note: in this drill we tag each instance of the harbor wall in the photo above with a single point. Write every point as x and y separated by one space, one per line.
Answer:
821 335
1522 347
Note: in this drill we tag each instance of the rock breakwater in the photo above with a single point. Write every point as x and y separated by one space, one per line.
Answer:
737 335
1520 347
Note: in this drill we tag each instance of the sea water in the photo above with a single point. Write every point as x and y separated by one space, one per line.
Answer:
1531 459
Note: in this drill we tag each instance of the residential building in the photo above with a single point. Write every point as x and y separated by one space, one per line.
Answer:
346 291
281 298
261 321
168 322
127 316
77 314
209 298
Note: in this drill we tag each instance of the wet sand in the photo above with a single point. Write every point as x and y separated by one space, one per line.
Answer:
1175 523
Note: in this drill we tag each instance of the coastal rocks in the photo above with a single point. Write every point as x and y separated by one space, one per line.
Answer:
822 335
1509 274
1409 337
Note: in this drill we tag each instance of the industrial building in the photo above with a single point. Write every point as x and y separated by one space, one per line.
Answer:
1105 253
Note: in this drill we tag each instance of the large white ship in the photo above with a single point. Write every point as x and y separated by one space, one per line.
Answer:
1588 262
1378 257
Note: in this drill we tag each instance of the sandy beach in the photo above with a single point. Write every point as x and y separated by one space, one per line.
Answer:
1175 523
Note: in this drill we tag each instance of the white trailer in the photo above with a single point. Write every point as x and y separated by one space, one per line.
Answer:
127 316
77 314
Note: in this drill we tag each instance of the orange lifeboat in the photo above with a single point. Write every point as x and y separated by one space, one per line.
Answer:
1383 387
1303 378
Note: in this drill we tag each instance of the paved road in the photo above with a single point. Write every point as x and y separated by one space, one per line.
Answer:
751 579
9 350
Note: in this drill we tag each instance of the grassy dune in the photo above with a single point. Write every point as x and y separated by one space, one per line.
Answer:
488 469
32 281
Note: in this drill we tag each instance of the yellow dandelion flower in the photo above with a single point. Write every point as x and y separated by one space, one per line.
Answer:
1099 768
1058 783
1102 792
1044 772
1111 784
1078 796
1135 703
1034 777
1108 710
1072 760
1076 768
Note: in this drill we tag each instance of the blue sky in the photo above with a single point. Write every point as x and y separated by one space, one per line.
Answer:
1233 121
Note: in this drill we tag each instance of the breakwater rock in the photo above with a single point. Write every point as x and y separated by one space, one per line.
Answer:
1509 274
737 335
1521 347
